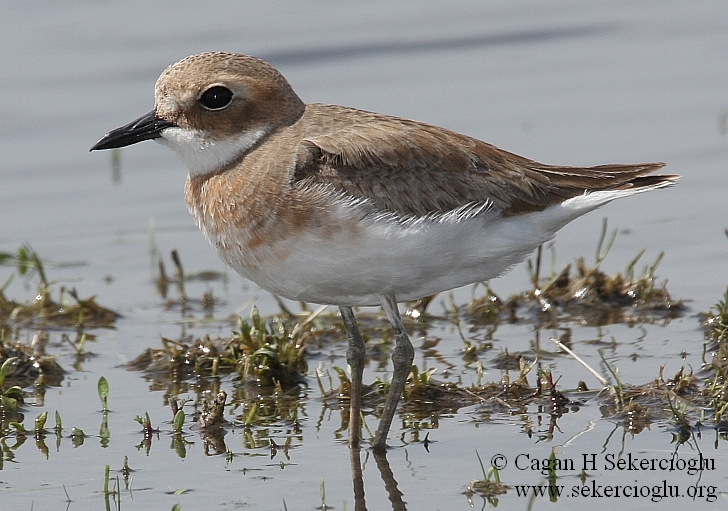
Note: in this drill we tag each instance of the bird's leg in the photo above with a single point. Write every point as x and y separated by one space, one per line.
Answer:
402 359
355 358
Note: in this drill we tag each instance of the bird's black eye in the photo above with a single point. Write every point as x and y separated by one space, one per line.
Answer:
216 97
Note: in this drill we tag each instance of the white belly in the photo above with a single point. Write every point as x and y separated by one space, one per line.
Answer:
410 259
383 254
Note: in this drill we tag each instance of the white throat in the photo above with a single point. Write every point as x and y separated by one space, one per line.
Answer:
203 155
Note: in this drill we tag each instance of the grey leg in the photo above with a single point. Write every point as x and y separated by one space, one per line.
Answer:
355 358
402 359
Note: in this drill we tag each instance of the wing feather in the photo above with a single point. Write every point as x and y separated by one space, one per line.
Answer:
415 169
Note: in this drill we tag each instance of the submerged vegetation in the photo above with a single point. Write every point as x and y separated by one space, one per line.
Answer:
258 378
584 294
27 367
272 354
66 311
264 353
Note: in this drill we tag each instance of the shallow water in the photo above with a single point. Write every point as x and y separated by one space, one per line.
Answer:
567 83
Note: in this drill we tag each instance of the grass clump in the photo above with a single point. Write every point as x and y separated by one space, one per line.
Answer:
269 353
715 322
31 363
67 311
584 293
489 487
715 325
260 352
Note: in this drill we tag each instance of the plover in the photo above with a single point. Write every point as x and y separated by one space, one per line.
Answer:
334 205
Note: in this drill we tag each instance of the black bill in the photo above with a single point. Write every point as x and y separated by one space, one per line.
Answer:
147 127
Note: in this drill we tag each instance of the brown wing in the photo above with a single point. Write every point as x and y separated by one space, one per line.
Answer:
415 169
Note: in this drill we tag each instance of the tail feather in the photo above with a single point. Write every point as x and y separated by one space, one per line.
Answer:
650 182
567 183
